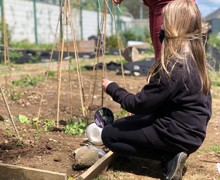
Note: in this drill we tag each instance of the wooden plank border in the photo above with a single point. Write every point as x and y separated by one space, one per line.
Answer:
12 172
100 166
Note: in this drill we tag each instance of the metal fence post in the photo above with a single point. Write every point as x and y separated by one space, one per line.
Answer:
81 20
97 3
35 22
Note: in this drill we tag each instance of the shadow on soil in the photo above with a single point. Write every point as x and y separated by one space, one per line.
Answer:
138 166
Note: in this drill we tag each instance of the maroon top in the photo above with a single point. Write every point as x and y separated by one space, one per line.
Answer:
155 9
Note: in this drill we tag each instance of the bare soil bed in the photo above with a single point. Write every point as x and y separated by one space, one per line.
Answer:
52 150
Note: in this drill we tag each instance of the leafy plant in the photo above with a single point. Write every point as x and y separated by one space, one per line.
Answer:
77 127
112 42
36 57
214 40
1 34
28 81
25 44
15 55
23 119
51 74
49 124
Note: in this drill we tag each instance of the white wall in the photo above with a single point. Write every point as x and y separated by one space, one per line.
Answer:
20 19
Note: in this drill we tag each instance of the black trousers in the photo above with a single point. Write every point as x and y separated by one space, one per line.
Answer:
126 136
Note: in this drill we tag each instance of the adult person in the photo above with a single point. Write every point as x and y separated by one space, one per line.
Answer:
172 110
155 9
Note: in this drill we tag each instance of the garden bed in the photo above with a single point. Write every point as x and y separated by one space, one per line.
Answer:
52 150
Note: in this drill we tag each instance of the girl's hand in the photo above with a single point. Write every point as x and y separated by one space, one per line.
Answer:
117 1
105 83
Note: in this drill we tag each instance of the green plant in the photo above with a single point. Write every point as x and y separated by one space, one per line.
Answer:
28 81
49 124
215 148
214 40
77 127
136 34
8 130
8 34
25 44
15 55
120 114
51 74
112 41
14 96
23 119
35 58
36 125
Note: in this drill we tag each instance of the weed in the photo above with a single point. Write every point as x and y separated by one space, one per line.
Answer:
77 127
49 124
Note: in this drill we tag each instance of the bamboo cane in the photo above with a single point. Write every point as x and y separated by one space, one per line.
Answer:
46 75
77 61
103 58
69 70
9 112
60 69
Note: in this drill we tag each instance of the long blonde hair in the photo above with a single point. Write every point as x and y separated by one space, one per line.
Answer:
183 26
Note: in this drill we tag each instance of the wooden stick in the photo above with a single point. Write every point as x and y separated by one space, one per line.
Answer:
46 75
105 10
100 166
96 60
95 73
9 112
69 70
60 70
77 62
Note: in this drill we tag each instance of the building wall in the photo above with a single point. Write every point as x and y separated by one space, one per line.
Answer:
20 19
215 23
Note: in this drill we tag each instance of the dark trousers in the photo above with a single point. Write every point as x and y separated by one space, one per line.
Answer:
126 136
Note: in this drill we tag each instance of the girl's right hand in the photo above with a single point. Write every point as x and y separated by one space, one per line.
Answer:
117 1
105 83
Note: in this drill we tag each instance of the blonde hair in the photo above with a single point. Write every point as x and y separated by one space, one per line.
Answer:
183 42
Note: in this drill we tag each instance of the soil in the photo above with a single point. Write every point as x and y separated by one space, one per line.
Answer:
52 150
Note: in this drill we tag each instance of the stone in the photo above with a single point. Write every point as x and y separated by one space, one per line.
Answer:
84 157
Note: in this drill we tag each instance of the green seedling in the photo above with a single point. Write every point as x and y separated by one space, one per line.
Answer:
36 125
77 127
49 124
23 119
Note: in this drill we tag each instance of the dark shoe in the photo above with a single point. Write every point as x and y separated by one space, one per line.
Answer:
174 167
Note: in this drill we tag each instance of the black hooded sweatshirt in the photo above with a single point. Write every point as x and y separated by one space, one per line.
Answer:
180 108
